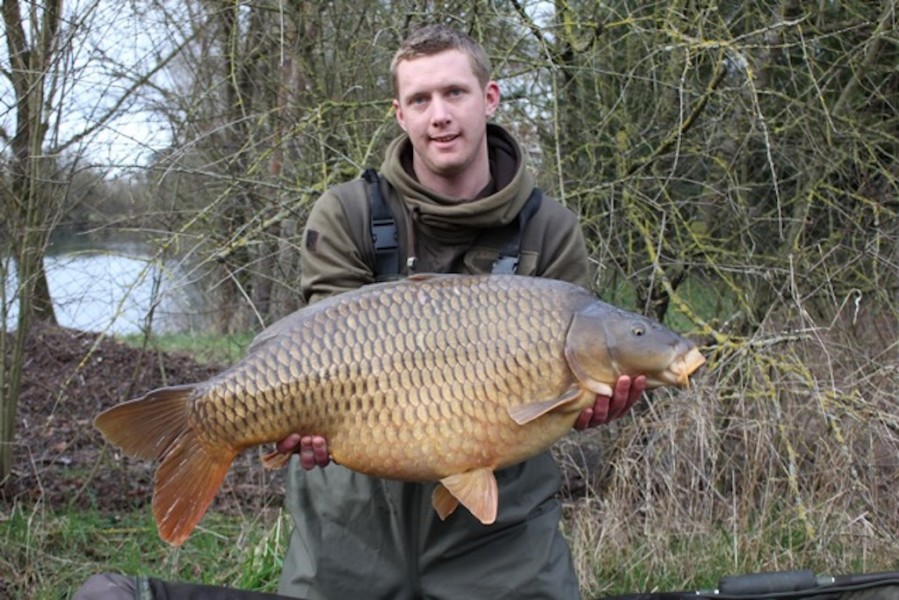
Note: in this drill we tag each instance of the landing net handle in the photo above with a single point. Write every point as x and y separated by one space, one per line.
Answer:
779 585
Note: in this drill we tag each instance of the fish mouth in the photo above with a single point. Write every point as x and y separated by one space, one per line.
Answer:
677 373
686 366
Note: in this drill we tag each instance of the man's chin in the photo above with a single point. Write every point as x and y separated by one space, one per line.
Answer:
448 166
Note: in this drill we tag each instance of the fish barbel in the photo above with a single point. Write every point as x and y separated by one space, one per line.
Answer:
433 378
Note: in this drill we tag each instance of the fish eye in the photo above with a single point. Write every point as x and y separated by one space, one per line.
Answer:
638 330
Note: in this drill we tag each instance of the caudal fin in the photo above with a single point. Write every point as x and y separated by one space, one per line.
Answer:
156 427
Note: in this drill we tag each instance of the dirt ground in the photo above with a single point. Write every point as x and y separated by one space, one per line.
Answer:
60 458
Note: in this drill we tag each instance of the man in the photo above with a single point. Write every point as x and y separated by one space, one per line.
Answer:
449 177
456 186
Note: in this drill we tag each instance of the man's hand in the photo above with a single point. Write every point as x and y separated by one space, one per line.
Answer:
313 449
607 408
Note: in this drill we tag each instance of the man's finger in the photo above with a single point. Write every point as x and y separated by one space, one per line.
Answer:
638 386
618 404
584 419
289 444
320 451
602 407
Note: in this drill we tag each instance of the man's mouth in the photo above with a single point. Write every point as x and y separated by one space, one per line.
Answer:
444 139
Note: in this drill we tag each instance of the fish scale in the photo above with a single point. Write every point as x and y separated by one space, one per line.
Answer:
443 323
435 378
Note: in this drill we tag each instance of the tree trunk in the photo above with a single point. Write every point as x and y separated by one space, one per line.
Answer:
27 206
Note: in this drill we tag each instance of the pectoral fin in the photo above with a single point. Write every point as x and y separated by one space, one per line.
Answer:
475 490
525 413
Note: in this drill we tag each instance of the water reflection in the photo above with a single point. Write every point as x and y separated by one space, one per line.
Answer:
113 288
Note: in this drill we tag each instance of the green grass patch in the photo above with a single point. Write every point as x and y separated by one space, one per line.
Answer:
669 562
49 554
206 349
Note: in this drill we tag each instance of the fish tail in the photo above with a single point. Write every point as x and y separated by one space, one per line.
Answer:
156 427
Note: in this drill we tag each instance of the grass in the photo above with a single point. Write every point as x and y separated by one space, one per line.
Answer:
695 556
49 553
207 349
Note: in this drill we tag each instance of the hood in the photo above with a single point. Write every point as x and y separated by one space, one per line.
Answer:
513 185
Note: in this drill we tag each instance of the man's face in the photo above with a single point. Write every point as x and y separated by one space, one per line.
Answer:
444 109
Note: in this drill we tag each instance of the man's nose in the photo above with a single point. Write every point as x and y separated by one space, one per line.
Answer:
440 113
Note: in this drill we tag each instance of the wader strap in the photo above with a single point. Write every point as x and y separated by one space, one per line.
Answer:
386 240
510 242
383 229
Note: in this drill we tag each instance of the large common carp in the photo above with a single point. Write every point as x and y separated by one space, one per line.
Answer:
433 378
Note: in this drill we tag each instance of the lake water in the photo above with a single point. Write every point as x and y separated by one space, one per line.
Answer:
111 286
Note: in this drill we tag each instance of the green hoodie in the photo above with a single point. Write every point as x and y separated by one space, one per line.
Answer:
360 537
337 253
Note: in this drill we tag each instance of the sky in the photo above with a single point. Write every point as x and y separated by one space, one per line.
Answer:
112 43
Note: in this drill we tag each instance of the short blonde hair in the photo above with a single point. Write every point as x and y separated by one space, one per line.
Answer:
433 39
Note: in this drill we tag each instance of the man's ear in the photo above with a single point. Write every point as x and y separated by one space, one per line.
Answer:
491 97
398 113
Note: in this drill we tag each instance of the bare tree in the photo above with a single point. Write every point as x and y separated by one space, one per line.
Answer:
281 101
44 46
